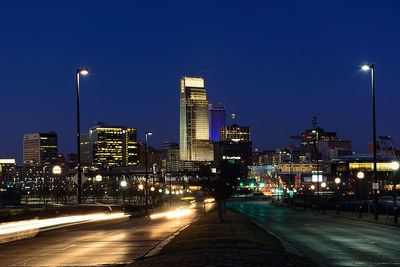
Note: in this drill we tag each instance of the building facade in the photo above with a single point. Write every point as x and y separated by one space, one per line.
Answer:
113 146
216 119
235 133
40 148
195 144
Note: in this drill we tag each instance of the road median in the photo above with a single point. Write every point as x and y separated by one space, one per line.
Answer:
237 241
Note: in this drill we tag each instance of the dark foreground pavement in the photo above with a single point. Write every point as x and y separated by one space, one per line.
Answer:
111 242
225 257
329 241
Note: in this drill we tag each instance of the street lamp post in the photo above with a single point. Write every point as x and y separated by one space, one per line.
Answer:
371 67
57 171
78 135
360 176
147 178
337 182
395 167
123 185
316 139
323 185
312 187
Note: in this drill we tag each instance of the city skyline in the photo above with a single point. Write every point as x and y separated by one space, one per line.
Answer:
248 65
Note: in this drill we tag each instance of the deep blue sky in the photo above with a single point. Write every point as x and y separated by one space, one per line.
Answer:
274 63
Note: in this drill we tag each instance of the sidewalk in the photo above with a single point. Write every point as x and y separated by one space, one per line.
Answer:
236 242
351 215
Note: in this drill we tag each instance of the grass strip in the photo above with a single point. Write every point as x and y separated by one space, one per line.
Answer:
236 232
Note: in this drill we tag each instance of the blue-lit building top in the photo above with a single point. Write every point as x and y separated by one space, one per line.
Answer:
216 119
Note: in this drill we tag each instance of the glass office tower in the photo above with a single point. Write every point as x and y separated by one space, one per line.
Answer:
216 119
195 144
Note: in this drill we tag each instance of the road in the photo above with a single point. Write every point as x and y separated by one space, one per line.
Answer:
329 241
112 242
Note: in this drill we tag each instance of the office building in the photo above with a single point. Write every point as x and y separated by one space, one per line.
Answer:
195 144
40 148
113 145
216 119
234 133
85 149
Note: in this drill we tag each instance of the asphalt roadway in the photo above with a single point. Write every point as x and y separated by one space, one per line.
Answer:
111 242
329 241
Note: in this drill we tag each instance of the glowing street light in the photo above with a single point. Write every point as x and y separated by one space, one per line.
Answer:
78 72
140 187
395 165
337 180
312 187
323 184
360 175
152 189
57 171
123 183
365 67
98 178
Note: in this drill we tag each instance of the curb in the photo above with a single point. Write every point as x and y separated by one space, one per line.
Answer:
160 245
288 247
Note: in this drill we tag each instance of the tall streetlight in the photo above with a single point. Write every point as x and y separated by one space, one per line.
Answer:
395 167
360 176
147 178
78 135
371 67
316 140
57 171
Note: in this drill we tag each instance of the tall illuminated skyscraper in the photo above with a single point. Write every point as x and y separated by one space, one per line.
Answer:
195 144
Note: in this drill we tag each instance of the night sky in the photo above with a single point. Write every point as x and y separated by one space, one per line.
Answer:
273 63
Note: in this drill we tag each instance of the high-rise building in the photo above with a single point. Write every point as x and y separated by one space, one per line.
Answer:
41 148
216 119
113 145
195 144
234 133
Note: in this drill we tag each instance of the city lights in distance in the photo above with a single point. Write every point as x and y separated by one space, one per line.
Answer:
337 180
98 178
123 183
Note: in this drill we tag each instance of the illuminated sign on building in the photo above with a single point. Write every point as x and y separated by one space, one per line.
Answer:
229 157
194 82
7 161
367 166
